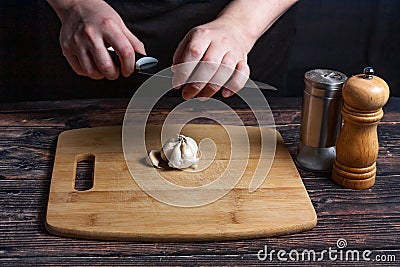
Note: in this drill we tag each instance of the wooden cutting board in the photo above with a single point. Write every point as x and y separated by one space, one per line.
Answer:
116 208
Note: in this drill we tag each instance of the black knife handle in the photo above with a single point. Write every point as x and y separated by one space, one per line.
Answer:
115 57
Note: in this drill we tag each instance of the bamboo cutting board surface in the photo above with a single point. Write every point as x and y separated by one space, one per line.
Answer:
116 208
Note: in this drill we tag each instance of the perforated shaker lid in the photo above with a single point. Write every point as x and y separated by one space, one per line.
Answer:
320 80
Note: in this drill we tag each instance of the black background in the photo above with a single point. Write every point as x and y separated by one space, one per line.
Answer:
341 35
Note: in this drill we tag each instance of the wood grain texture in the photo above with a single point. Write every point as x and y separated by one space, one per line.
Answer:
357 145
367 219
117 208
365 94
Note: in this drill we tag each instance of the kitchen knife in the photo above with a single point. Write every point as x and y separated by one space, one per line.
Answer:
249 84
144 64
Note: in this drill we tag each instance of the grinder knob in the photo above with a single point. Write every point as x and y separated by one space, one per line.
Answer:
357 147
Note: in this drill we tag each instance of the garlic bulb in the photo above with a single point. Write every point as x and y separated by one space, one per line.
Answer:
180 152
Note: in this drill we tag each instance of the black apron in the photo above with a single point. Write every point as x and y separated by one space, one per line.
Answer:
161 25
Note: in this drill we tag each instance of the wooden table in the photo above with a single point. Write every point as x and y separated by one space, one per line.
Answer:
367 220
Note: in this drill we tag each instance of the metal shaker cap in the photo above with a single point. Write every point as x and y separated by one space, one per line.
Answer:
324 82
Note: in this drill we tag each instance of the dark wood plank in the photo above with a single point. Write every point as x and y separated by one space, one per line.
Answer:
194 260
94 113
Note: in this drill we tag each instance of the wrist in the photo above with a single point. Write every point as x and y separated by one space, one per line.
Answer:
251 19
62 6
244 33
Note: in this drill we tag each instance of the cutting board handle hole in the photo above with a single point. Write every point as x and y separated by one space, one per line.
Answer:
84 172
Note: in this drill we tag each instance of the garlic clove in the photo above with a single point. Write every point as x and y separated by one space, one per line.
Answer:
187 152
192 143
154 158
168 147
175 157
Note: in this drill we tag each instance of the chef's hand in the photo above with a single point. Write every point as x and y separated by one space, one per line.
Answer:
88 28
226 41
222 49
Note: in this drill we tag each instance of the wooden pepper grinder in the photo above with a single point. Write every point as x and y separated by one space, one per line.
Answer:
357 147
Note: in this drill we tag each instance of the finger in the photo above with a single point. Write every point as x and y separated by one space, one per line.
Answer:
199 79
88 66
206 70
179 52
104 63
238 79
224 72
71 57
137 45
74 63
124 50
193 52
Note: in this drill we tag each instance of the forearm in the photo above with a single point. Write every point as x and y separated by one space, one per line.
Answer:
253 18
62 7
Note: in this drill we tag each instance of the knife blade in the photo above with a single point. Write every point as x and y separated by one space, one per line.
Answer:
147 63
249 84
